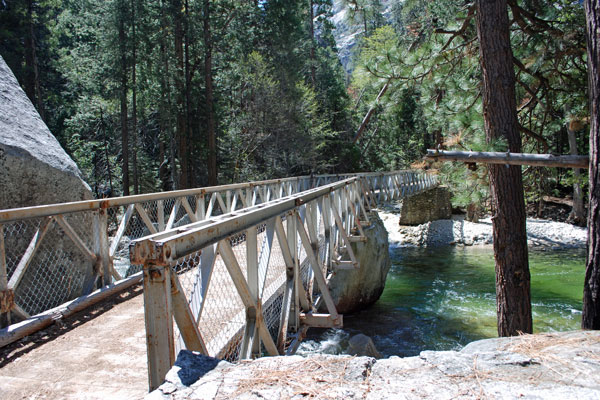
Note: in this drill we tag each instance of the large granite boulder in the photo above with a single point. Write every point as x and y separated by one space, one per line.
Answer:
546 366
35 168
355 289
429 205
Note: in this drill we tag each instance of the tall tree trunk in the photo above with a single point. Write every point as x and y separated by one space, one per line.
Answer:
123 95
188 91
166 98
210 117
369 113
577 214
32 80
180 98
508 221
591 288
313 61
106 153
134 128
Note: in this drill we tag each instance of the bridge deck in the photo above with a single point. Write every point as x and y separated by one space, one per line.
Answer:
99 353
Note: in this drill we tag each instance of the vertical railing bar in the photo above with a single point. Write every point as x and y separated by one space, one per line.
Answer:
228 201
200 207
292 239
253 284
265 256
158 318
102 250
3 268
160 214
5 319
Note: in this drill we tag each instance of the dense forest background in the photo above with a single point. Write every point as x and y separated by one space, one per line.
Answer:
158 95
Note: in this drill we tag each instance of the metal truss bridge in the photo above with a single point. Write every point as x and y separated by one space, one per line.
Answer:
233 271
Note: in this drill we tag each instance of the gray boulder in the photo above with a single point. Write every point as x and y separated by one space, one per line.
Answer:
545 366
353 290
35 168
363 346
429 205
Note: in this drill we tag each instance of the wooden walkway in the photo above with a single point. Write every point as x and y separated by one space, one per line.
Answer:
99 353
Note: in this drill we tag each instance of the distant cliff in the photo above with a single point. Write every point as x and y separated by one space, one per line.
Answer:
347 33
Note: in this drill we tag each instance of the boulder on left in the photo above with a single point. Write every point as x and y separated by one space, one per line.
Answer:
35 170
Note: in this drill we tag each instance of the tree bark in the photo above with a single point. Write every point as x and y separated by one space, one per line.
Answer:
369 114
577 214
191 181
180 99
134 128
166 100
210 117
32 82
313 61
123 95
500 116
591 288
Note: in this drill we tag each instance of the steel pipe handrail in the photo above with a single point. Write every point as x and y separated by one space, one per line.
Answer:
164 247
15 214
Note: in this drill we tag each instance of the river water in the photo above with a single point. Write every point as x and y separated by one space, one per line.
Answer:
443 298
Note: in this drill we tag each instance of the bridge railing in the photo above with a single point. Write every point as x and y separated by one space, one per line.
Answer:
54 253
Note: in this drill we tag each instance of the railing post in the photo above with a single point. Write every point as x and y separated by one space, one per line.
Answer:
200 207
6 296
292 238
159 323
251 342
101 249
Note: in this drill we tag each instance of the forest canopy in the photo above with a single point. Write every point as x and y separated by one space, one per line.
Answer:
157 95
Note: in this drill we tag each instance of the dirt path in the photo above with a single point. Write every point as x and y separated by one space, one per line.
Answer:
103 358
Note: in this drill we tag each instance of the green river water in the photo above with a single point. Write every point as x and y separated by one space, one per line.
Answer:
443 298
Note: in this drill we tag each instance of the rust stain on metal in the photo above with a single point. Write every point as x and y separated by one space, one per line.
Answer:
155 274
7 300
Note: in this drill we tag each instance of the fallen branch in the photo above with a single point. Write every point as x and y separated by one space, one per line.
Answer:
538 160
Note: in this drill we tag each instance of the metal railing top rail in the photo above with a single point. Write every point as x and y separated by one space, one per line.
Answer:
165 247
21 213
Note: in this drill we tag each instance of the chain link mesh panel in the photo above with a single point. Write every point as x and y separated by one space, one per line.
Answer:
54 274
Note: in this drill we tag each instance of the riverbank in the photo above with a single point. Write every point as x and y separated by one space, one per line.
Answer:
557 365
542 234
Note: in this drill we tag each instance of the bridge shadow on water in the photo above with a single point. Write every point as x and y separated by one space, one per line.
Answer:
60 327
